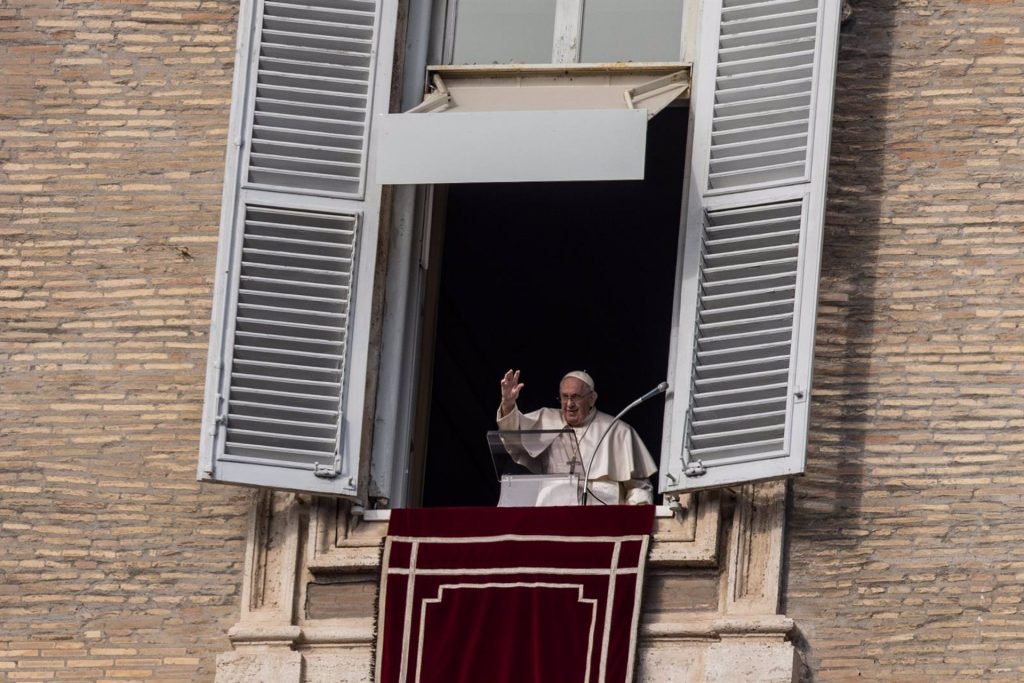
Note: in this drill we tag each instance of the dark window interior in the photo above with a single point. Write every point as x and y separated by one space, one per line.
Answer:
547 278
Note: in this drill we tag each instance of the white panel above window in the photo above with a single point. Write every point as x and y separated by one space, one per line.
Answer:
522 146
527 125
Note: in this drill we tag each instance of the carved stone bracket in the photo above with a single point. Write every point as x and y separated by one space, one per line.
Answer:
340 540
265 638
755 550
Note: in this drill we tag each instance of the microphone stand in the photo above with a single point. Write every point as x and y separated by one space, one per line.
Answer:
660 389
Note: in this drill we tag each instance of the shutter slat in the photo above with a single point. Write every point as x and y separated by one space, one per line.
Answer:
308 109
254 280
284 400
290 269
312 76
301 371
721 396
297 163
256 454
282 338
287 325
757 449
767 418
271 379
239 406
736 406
290 424
277 435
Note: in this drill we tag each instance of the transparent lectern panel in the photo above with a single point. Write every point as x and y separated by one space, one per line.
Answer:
537 467
534 451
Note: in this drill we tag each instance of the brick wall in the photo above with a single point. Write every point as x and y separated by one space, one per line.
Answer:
115 563
906 553
904 558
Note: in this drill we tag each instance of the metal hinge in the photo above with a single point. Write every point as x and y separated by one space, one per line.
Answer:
325 471
220 416
695 469
329 471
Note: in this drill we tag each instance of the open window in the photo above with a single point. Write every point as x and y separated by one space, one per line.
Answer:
547 277
294 326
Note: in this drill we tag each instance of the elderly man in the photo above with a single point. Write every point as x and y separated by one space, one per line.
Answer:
616 460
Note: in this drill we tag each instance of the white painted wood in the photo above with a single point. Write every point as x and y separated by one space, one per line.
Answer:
745 341
491 147
568 30
283 449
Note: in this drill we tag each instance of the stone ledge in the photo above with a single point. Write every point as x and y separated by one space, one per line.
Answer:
716 627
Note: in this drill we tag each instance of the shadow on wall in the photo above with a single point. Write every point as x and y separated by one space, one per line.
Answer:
829 495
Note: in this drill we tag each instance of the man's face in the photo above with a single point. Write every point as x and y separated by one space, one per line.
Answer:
577 399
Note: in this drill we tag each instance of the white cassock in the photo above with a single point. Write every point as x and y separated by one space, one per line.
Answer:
618 466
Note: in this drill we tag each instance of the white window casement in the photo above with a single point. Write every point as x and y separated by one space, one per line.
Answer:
289 341
762 109
295 331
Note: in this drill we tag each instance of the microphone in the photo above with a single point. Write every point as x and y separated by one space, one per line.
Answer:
660 389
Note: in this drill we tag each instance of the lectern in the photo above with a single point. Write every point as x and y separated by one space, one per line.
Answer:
537 467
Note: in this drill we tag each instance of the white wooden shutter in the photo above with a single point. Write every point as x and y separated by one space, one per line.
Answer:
755 203
289 337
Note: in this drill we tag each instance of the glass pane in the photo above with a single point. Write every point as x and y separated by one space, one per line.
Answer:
502 32
634 31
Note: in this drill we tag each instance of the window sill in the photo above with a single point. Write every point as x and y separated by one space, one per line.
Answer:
342 542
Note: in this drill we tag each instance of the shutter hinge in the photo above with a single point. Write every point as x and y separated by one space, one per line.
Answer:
220 416
325 471
329 471
695 469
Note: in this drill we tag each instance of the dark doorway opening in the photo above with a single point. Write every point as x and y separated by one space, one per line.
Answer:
547 278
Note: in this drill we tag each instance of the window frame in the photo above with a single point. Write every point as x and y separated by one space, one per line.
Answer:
430 40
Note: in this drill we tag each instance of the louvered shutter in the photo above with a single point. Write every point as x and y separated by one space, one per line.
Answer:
289 337
755 203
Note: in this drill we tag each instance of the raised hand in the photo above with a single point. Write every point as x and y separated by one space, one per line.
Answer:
510 388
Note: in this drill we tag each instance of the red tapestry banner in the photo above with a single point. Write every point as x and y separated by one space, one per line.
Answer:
507 595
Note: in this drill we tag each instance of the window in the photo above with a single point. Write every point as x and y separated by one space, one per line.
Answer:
549 277
564 31
300 292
